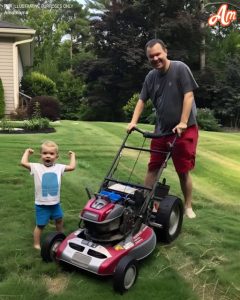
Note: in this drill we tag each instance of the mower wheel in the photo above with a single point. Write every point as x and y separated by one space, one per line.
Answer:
125 274
50 245
170 217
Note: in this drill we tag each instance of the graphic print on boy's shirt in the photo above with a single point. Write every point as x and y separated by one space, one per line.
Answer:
49 184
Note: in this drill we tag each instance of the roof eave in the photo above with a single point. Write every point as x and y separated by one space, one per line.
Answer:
16 32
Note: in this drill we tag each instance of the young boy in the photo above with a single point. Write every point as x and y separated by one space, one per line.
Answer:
47 181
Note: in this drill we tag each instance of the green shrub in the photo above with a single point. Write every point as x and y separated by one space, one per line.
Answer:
2 101
47 107
148 114
6 125
206 120
37 84
36 124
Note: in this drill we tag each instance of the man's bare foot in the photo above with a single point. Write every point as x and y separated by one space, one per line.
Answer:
190 213
37 247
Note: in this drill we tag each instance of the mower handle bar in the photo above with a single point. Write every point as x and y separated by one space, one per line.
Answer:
145 134
151 135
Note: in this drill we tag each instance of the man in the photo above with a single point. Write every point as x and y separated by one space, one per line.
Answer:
170 86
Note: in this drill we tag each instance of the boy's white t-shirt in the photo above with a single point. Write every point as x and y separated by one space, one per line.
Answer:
47 181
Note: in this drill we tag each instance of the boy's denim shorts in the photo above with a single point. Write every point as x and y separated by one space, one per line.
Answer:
44 213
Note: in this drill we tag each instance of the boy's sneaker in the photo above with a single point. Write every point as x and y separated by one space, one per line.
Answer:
190 213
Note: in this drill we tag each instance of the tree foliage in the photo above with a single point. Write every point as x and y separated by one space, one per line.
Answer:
223 86
70 94
227 96
98 62
120 32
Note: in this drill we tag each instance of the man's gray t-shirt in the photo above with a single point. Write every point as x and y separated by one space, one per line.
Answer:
166 90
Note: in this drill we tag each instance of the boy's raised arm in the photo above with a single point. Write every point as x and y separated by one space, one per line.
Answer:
24 161
72 164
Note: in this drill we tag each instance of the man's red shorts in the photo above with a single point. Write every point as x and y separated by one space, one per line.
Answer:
183 154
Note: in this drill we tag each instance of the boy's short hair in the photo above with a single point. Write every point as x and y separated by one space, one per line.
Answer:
49 144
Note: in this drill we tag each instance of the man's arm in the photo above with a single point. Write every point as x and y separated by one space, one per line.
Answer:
72 164
136 115
186 110
24 161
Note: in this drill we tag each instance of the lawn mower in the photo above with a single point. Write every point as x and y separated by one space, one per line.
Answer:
118 226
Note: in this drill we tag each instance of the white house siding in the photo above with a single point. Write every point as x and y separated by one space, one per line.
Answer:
6 74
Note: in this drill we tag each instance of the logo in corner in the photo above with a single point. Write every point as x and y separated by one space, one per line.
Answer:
224 16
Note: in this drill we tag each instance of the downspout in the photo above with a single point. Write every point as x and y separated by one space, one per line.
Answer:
15 69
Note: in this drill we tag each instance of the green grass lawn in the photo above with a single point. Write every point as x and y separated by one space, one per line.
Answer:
203 263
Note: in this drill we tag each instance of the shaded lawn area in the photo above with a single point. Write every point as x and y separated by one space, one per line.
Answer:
203 263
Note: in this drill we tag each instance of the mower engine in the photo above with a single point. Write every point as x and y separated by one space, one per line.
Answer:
108 217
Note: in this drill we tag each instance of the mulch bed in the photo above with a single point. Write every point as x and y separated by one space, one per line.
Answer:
47 130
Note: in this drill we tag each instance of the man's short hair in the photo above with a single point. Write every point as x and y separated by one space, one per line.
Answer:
153 42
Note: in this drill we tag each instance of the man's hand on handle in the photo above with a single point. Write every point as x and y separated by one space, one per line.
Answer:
180 128
131 126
